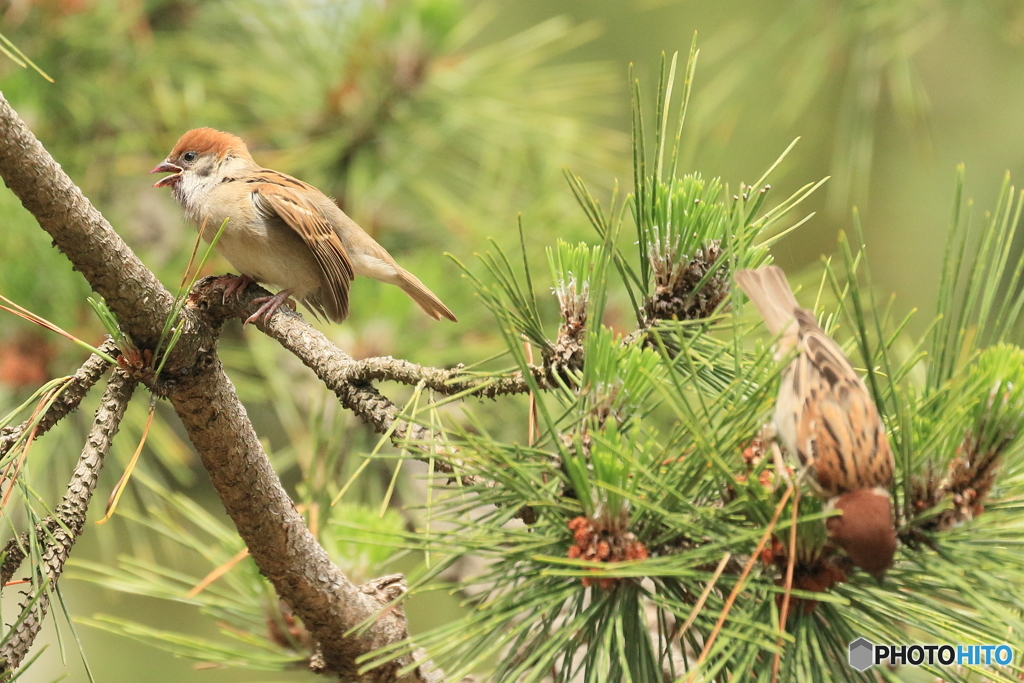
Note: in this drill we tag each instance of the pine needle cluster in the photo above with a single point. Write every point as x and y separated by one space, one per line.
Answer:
652 551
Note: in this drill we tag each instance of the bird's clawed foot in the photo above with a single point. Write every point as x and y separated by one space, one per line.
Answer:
235 287
268 307
769 437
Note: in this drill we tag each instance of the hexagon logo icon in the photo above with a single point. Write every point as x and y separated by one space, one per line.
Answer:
862 654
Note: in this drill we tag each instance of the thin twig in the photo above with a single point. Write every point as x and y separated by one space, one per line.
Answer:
349 379
70 397
739 583
57 535
695 612
790 564
335 367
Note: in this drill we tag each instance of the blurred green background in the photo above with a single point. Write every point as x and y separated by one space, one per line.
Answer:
435 123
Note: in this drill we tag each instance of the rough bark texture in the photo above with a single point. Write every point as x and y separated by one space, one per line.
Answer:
350 379
81 382
80 231
68 400
283 548
57 535
193 379
335 367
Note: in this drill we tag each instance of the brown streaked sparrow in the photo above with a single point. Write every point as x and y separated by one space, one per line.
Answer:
826 418
280 231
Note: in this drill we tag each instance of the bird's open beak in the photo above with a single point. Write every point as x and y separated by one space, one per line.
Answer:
166 167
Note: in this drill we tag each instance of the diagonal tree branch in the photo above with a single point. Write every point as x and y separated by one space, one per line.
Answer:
284 549
350 379
58 534
278 540
335 367
87 375
81 232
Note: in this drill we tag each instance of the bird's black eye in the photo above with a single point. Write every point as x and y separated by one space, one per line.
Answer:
189 157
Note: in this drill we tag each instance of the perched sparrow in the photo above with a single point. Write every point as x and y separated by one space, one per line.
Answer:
280 231
825 417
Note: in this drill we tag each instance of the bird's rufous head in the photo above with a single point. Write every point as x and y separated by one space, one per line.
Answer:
865 529
199 150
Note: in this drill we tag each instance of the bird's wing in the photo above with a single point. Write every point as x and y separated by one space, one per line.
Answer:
274 195
839 423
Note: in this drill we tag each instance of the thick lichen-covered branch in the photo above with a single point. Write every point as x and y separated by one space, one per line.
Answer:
278 540
131 291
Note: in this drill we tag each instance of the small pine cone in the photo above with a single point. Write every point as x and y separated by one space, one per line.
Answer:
582 530
636 551
676 296
753 453
772 551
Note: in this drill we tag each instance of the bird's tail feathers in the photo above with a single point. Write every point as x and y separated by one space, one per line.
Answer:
423 297
769 290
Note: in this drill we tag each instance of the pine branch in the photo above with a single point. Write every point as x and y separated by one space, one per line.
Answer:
337 369
68 400
194 381
57 535
133 293
349 379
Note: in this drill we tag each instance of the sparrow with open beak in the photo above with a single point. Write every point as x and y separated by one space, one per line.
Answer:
279 231
825 418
